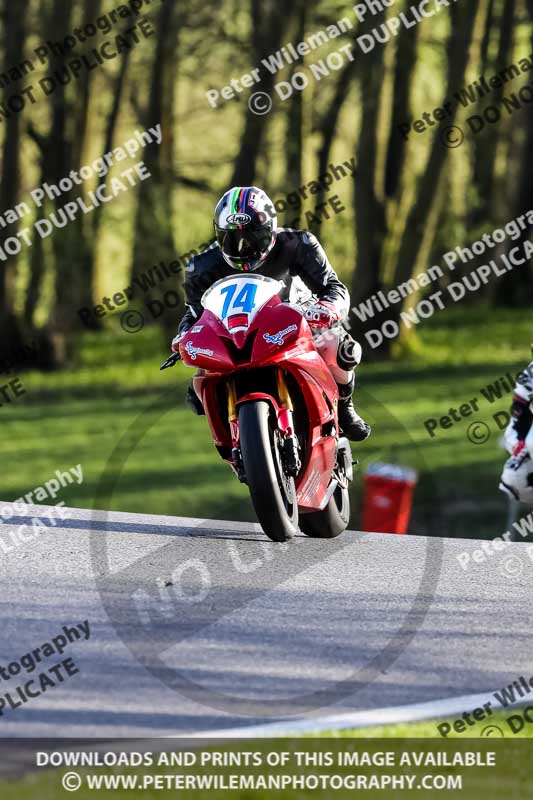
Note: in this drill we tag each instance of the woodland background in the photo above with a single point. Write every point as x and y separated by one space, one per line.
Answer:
409 203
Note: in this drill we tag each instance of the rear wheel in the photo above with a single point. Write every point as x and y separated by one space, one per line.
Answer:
332 520
273 493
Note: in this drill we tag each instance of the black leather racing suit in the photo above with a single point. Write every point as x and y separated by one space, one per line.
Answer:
296 253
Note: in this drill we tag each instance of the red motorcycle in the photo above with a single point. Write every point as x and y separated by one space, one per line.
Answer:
271 404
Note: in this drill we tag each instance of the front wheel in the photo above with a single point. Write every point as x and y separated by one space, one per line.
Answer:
273 493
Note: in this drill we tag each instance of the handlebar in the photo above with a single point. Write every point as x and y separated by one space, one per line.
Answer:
171 361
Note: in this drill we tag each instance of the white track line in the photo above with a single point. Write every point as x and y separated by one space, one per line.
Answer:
418 712
358 719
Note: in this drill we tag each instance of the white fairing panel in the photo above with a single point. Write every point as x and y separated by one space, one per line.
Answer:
236 300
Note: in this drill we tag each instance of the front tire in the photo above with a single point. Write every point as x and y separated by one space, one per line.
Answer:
273 493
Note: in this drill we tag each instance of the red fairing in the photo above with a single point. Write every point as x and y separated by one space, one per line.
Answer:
281 339
203 346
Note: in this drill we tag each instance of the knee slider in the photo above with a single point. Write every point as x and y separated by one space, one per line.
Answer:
349 353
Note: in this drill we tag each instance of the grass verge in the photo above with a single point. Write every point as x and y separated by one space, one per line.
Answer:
79 416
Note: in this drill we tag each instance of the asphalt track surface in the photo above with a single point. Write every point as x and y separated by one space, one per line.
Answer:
199 626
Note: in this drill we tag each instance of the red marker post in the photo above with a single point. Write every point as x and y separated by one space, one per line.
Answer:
388 498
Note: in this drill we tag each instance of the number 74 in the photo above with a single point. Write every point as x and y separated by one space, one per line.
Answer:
245 300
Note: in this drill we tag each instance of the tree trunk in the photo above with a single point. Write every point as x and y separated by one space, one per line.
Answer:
422 220
118 94
369 204
269 21
37 268
37 264
68 250
328 128
486 145
516 287
80 111
485 43
11 336
154 239
403 76
63 150
294 136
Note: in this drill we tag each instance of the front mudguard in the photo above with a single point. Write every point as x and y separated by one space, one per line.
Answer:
283 415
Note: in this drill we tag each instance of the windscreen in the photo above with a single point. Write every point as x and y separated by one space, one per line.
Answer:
237 299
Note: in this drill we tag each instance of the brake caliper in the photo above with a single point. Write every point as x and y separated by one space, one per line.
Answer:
290 456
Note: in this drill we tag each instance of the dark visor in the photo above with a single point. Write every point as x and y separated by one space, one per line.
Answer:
247 244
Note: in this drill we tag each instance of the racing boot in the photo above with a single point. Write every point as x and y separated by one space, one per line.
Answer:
194 401
352 425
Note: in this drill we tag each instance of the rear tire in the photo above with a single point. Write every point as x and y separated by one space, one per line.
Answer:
332 520
273 493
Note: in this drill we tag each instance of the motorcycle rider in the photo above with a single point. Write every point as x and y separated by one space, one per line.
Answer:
248 240
517 476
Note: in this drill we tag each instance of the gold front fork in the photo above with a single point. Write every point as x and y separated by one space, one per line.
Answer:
232 401
283 392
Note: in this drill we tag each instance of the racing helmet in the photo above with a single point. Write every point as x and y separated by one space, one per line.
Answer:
245 227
